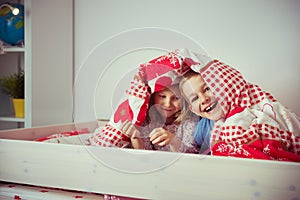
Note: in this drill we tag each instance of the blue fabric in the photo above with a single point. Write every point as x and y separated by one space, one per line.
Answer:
202 134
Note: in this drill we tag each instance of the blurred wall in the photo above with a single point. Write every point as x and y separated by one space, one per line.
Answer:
260 38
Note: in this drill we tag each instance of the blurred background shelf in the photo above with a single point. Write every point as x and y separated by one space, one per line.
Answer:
15 58
13 49
47 51
11 118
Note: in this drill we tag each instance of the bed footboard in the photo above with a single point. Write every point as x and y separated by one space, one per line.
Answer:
146 174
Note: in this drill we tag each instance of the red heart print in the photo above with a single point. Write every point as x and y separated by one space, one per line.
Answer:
124 112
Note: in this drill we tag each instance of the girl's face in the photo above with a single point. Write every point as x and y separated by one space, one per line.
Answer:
167 101
201 100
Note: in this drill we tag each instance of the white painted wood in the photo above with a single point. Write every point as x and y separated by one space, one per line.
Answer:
138 173
190 176
28 66
52 61
43 131
13 49
11 119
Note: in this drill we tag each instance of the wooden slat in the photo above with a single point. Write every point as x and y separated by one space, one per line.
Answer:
146 174
42 131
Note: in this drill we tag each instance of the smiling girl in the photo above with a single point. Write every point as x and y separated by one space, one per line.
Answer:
164 128
149 115
201 100
249 122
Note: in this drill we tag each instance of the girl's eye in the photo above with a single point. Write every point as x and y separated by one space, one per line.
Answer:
194 99
176 98
162 96
206 89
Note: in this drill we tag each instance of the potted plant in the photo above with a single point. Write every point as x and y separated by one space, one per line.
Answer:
13 86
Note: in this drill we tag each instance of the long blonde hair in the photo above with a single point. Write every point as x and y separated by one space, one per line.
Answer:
186 112
186 76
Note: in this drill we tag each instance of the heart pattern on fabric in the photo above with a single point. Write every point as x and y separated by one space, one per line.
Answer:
124 112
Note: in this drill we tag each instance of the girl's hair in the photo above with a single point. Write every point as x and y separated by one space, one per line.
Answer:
186 76
186 112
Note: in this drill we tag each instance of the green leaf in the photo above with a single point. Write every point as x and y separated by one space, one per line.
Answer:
13 85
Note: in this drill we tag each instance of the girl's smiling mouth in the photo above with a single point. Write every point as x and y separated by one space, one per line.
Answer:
211 107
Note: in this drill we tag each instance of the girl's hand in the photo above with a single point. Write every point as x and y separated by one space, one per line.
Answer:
161 136
130 130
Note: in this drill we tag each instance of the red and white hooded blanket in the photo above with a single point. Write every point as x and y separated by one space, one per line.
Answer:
153 76
256 124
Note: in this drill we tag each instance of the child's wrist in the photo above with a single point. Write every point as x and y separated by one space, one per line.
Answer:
135 135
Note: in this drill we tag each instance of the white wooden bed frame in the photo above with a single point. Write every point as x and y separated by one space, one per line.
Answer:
138 173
